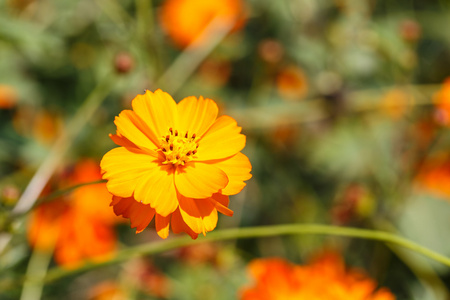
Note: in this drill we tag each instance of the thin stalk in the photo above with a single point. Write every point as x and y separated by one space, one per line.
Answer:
144 15
256 232
36 271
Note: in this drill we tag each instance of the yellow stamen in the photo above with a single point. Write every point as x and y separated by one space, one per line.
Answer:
178 149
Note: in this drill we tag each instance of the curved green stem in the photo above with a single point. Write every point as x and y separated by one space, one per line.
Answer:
256 232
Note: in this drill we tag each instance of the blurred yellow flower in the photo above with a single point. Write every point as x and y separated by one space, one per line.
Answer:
176 163
324 279
185 20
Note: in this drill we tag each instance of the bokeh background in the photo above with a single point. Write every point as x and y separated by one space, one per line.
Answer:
344 103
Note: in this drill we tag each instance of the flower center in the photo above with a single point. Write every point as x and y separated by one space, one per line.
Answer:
178 149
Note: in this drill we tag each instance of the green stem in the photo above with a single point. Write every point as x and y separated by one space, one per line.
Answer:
36 271
256 232
144 17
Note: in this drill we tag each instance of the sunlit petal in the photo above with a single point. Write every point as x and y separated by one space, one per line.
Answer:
158 110
199 214
123 168
196 115
238 169
157 188
223 139
199 180
132 127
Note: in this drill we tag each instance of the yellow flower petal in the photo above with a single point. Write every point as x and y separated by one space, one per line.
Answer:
223 139
122 168
178 225
158 110
162 225
220 202
157 188
132 127
196 116
199 214
122 141
238 169
199 180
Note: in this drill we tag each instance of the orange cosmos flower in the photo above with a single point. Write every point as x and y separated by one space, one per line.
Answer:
107 290
442 103
185 20
435 176
77 226
8 96
326 278
292 83
177 163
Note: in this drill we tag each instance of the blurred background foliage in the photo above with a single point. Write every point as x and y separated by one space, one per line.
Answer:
343 103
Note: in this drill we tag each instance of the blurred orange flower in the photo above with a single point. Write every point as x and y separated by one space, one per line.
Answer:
215 72
292 83
8 96
185 20
176 163
107 290
148 278
442 103
271 51
196 255
40 124
325 278
410 30
78 226
435 176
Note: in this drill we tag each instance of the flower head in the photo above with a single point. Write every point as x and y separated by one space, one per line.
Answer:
292 83
177 17
77 226
8 97
177 163
434 176
442 103
326 278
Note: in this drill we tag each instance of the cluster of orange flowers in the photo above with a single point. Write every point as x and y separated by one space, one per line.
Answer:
77 227
177 163
324 279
